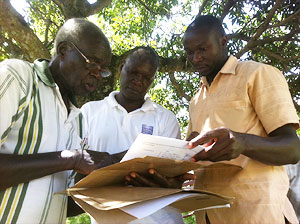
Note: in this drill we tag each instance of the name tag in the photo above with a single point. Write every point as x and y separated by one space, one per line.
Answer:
147 129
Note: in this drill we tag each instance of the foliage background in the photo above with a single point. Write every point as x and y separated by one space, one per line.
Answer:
265 31
261 30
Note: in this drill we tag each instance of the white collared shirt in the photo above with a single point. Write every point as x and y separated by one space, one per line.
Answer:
110 128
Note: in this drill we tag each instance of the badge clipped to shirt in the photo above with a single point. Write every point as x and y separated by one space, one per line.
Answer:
147 129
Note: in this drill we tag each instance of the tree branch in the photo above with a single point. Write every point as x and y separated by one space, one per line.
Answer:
226 8
291 18
98 6
269 54
13 23
202 7
178 87
260 30
146 7
11 49
277 56
60 4
174 64
286 37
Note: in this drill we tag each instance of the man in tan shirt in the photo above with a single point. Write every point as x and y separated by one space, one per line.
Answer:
245 116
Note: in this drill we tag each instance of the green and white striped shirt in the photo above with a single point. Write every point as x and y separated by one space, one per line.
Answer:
34 119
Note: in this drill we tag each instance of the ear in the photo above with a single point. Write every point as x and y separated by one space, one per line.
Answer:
121 66
62 48
223 41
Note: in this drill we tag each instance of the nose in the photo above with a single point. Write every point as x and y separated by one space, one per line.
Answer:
197 57
137 78
95 70
96 74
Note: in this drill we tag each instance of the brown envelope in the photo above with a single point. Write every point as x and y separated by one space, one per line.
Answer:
115 174
102 193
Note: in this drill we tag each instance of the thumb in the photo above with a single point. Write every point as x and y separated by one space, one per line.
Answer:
198 140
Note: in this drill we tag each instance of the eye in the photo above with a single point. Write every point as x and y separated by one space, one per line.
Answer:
203 49
188 52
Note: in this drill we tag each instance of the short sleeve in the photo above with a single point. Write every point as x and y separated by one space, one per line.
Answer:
271 99
172 128
13 97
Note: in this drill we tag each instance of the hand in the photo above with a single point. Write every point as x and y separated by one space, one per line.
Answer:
192 135
155 179
85 161
221 144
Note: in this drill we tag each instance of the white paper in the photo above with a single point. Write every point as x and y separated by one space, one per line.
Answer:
143 209
216 206
162 147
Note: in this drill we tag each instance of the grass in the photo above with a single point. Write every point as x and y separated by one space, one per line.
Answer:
85 219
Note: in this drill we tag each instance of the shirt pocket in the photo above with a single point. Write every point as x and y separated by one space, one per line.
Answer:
230 114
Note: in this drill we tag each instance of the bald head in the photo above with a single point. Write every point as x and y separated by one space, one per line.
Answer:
77 30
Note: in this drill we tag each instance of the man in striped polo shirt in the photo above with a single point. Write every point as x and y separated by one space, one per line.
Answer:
40 126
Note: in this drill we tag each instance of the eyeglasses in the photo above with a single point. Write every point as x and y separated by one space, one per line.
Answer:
92 66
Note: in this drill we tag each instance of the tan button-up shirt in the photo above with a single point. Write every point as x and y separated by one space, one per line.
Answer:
254 98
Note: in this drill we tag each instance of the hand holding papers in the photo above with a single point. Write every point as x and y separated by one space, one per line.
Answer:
103 194
161 147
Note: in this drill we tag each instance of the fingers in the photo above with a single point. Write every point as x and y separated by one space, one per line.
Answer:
174 182
200 156
218 145
192 135
219 152
216 134
155 179
207 138
138 180
129 180
160 179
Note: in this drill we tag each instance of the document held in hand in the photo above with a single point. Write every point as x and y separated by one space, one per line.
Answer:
161 147
104 196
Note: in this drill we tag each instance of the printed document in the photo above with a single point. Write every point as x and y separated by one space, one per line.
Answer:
162 147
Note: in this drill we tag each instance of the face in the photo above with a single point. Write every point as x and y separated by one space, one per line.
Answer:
78 75
205 50
136 78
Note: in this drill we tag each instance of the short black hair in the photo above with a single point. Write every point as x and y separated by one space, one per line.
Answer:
153 56
209 22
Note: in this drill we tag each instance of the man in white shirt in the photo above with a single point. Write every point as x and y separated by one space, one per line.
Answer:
114 123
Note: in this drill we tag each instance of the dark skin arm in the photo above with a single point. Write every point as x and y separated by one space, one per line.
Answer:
73 208
281 147
15 169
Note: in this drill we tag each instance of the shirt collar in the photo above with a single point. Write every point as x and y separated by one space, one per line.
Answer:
147 106
230 66
41 67
203 82
112 100
228 69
